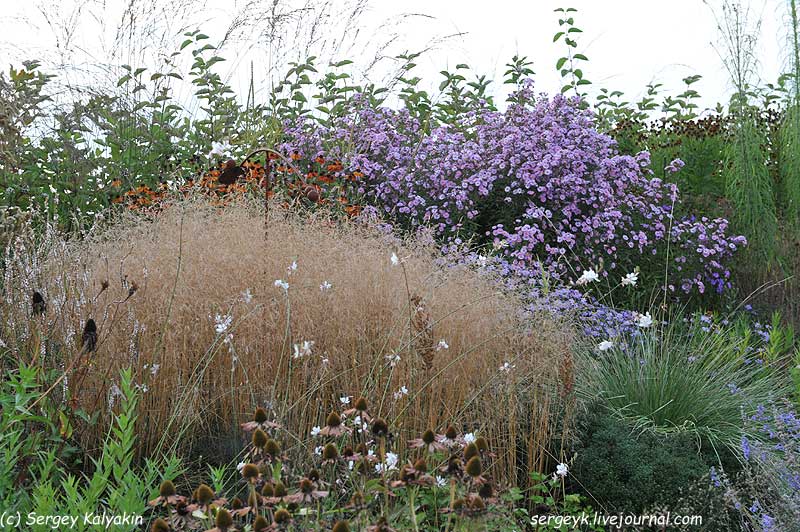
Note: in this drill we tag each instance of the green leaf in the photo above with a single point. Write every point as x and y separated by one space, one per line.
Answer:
560 63
581 57
557 36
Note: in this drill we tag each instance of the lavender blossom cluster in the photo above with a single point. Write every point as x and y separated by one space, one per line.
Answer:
538 181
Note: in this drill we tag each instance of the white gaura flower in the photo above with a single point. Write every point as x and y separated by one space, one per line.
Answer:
630 279
345 399
644 320
315 431
221 323
240 466
562 470
218 149
441 482
605 345
442 345
393 359
292 267
589 276
247 297
507 367
394 259
280 283
469 437
400 393
303 349
389 464
325 286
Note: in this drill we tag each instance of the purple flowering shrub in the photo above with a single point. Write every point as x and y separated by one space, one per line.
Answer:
538 182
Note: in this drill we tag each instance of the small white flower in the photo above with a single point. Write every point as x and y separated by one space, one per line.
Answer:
469 437
247 297
400 393
644 320
345 399
442 345
507 367
292 267
393 359
390 463
318 450
280 283
394 259
441 482
154 369
589 276
240 466
562 470
499 244
630 279
219 149
303 349
221 323
315 431
325 286
605 345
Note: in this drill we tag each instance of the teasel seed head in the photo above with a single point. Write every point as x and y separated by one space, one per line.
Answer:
204 494
260 416
237 503
481 444
421 465
469 451
167 489
272 448
280 489
313 475
486 491
306 486
224 519
259 439
268 490
159 525
330 452
333 420
282 516
428 437
451 433
250 471
341 526
380 428
474 467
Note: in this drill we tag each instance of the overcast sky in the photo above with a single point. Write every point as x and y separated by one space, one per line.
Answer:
629 42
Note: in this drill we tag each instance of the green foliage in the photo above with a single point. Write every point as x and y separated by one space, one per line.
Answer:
569 65
631 471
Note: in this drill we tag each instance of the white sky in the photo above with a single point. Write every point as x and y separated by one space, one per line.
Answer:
629 42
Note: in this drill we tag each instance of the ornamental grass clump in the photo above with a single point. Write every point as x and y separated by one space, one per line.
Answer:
223 319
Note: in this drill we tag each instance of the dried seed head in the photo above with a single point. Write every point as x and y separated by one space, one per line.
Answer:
482 444
333 420
204 494
476 504
237 503
361 448
167 489
250 471
341 526
272 448
260 416
428 437
451 433
224 519
361 404
347 451
458 504
282 516
260 524
469 451
474 467
330 452
280 489
486 491
159 525
421 465
313 475
306 486
268 490
259 439
380 428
